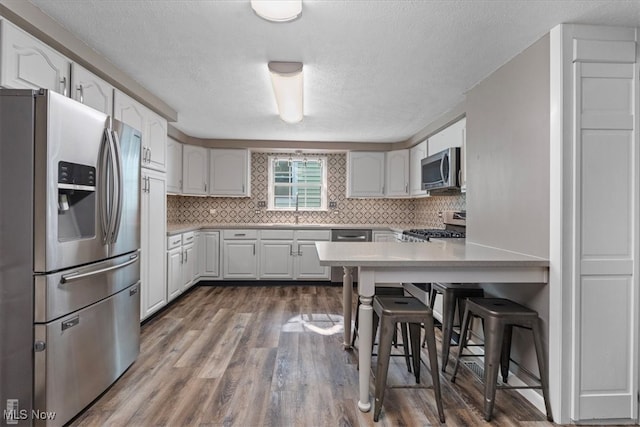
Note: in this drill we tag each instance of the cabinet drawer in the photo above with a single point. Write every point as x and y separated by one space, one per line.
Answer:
313 234
189 237
174 241
239 234
276 234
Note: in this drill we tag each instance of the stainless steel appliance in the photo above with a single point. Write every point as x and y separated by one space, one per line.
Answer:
441 171
455 223
69 264
348 235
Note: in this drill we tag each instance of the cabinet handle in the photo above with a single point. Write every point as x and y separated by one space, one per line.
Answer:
149 159
180 184
181 257
299 251
186 256
254 249
63 82
243 188
291 251
239 234
81 90
205 187
406 188
189 238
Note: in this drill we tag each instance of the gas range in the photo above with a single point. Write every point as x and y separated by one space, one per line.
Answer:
455 228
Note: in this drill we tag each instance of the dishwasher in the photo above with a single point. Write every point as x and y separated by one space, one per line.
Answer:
348 235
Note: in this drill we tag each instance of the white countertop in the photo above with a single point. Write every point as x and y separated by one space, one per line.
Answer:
184 227
424 254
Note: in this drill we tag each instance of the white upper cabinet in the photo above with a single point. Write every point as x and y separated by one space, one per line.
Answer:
452 136
152 126
156 131
174 166
397 173
365 174
229 172
195 169
91 90
416 154
27 63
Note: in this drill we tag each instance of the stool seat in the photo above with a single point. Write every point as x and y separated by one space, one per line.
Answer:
499 316
389 311
453 294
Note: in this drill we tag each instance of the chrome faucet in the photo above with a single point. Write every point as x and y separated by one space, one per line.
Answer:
297 216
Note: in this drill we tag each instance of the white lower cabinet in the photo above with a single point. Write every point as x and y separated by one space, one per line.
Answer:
174 272
210 255
240 254
291 254
182 262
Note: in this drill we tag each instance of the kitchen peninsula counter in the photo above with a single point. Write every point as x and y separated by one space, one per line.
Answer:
449 261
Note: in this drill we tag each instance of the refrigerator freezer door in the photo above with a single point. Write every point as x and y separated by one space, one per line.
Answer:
85 352
60 293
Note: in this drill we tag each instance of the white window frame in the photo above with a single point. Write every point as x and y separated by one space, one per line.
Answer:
270 188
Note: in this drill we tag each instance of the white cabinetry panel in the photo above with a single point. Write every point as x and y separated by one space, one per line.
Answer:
276 259
211 258
27 63
194 169
91 90
153 242
229 172
397 173
174 166
365 174
416 154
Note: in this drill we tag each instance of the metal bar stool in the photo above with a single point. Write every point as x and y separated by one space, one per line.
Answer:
452 294
390 311
388 291
499 316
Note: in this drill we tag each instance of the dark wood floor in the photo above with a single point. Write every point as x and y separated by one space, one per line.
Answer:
272 356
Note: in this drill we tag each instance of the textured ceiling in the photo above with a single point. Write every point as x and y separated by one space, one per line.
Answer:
375 71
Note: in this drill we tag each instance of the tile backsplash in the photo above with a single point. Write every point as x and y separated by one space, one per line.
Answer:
210 210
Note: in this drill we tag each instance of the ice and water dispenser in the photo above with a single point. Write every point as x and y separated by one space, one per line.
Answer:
76 201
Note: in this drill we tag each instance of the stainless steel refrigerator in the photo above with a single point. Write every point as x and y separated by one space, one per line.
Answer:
69 255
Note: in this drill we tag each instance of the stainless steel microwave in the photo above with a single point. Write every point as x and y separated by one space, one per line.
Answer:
440 171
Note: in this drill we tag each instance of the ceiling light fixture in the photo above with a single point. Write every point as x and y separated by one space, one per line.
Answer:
277 10
286 78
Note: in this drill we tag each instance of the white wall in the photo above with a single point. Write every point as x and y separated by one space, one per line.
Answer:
508 173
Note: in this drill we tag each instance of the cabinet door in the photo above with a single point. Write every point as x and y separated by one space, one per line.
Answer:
197 256
91 90
194 170
229 172
397 173
240 259
131 112
188 265
211 262
174 272
365 174
416 154
307 262
174 166
153 242
276 259
27 63
451 136
156 136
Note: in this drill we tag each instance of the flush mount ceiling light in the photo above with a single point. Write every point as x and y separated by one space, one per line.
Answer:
277 10
286 78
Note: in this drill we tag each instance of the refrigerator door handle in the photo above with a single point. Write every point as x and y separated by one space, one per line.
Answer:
103 201
66 278
120 190
112 186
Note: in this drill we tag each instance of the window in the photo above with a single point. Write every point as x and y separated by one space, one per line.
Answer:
297 183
